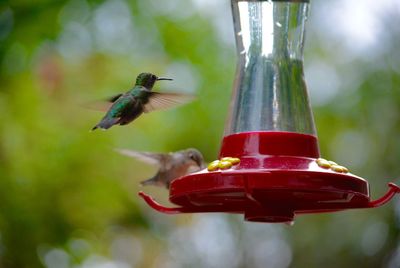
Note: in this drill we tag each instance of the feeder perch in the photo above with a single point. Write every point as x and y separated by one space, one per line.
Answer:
277 172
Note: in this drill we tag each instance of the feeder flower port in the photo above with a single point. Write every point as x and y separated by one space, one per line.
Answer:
224 163
269 166
332 165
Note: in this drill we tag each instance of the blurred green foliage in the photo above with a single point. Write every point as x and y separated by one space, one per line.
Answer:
67 200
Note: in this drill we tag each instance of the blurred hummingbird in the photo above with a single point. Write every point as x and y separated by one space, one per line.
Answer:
126 107
171 165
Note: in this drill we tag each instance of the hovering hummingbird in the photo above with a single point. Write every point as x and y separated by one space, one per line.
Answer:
171 165
126 107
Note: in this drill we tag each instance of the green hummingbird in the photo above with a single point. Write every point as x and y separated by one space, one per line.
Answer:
126 107
170 165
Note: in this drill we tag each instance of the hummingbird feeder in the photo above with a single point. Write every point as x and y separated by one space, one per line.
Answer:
270 167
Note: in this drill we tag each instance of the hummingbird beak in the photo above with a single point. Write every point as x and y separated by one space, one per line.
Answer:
164 78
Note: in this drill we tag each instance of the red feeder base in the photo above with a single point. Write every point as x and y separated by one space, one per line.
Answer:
277 177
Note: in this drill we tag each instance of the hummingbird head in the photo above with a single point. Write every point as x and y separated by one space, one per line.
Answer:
148 80
195 156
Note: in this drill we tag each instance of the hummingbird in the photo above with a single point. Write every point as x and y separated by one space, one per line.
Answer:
123 108
171 165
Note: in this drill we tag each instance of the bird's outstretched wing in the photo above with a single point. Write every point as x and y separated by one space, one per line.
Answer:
159 101
149 158
112 99
103 105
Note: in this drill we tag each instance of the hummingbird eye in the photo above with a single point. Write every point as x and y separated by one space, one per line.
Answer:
194 158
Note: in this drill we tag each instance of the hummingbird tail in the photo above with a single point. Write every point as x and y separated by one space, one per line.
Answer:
106 123
151 181
156 180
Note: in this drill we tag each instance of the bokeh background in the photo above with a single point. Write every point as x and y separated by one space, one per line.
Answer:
68 200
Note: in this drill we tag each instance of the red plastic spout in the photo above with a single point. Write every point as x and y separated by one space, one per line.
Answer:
393 189
178 210
160 208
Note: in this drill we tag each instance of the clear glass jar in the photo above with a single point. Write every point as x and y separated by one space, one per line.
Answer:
270 112
269 92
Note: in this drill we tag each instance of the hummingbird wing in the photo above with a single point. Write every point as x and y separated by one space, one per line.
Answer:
112 99
159 101
103 105
149 158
